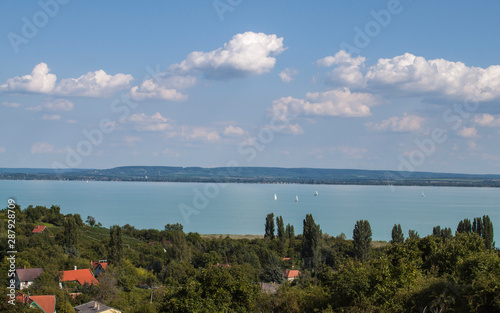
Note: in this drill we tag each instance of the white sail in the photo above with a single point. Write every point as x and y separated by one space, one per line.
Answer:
275 197
296 198
316 193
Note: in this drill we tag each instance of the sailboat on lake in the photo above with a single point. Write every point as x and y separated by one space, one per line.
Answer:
316 193
296 198
275 197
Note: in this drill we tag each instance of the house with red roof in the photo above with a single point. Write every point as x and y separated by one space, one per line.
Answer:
99 267
290 275
26 277
45 303
95 307
38 229
82 277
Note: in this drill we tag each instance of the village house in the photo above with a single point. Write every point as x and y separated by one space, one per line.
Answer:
38 229
82 277
95 307
290 275
99 267
26 276
45 303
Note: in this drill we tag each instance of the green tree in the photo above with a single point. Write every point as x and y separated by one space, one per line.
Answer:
311 237
281 229
90 220
362 238
477 226
78 219
172 227
269 226
446 233
436 231
413 234
487 233
464 226
290 232
70 238
397 234
115 245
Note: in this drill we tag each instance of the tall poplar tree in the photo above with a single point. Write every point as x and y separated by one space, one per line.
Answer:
115 245
269 226
362 237
311 243
281 228
397 234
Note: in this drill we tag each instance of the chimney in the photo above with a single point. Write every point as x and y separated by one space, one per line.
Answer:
75 267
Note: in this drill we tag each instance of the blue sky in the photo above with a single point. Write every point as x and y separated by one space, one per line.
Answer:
409 85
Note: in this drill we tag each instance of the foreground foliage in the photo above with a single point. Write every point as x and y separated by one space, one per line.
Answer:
171 271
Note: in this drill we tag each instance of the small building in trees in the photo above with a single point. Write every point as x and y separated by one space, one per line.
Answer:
99 267
95 307
45 303
26 277
38 229
290 275
82 277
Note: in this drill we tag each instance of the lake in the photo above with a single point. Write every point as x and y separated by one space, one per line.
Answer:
242 208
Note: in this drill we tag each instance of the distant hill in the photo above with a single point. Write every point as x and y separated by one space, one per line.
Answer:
255 175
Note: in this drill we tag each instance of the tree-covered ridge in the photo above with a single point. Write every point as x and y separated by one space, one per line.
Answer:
257 175
170 271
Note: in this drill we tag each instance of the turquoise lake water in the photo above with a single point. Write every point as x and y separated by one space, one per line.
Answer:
242 208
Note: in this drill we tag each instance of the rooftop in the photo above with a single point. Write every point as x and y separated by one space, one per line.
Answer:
38 229
28 274
81 276
94 307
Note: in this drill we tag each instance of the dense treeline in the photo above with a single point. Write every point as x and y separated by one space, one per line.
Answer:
257 175
171 271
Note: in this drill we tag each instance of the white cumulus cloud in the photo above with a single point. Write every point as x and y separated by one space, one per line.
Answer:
39 81
405 123
339 102
155 122
245 54
92 84
163 88
347 70
412 75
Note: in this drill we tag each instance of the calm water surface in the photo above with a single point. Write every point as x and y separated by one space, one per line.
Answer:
242 208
